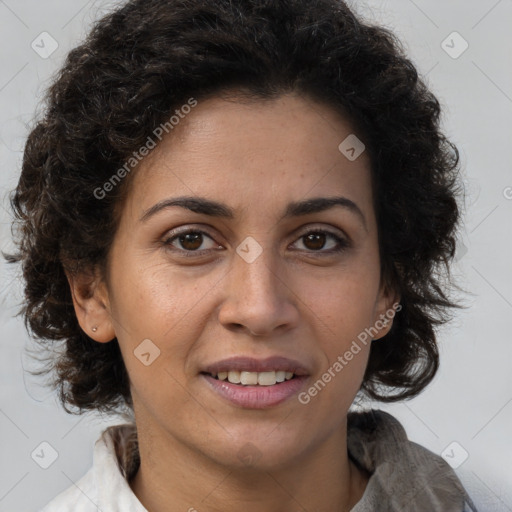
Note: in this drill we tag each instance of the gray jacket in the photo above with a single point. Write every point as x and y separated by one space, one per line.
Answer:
406 477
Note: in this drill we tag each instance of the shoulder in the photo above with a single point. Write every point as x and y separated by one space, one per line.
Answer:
404 474
105 486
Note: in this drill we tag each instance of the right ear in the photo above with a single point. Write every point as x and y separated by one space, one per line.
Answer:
92 306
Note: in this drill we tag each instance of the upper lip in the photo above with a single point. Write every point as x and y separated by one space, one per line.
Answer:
257 365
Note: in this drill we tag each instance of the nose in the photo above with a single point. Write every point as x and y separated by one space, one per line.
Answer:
259 297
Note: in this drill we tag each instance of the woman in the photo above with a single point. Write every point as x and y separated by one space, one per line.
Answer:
236 216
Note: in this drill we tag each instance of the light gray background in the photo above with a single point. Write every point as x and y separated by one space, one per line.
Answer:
470 401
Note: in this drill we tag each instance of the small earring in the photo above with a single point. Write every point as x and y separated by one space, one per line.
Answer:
94 329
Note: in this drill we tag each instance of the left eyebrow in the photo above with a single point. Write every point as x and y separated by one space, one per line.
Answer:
320 204
205 206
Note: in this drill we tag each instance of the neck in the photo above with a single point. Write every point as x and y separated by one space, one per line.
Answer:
172 474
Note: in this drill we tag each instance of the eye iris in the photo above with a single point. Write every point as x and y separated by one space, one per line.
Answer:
195 238
318 240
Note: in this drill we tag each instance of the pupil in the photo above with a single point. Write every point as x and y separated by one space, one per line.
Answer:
194 238
317 239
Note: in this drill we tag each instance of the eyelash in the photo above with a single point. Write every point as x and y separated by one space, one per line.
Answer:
342 243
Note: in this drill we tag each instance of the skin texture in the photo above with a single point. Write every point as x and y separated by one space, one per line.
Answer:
297 299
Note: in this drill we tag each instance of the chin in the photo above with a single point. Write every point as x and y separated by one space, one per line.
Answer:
263 451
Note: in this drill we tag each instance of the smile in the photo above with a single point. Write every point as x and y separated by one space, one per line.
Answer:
247 378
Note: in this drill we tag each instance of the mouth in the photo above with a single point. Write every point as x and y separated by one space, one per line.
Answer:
256 384
248 378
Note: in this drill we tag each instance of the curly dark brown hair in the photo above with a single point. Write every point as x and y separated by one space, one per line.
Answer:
145 59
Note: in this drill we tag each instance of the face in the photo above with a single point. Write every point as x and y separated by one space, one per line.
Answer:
256 276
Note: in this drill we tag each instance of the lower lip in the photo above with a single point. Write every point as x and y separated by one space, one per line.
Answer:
256 397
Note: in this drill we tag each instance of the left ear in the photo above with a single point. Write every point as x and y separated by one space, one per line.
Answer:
386 307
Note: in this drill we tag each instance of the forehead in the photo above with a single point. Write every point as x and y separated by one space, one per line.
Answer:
247 153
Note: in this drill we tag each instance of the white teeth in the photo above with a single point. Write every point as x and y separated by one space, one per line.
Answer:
267 378
234 377
248 378
255 378
280 375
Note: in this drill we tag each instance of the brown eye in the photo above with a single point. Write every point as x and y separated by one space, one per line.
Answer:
314 241
317 240
190 241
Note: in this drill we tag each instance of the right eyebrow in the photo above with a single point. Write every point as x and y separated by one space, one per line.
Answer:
196 204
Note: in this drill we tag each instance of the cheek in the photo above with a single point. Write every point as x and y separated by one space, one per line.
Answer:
343 300
166 307
156 299
342 306
341 311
